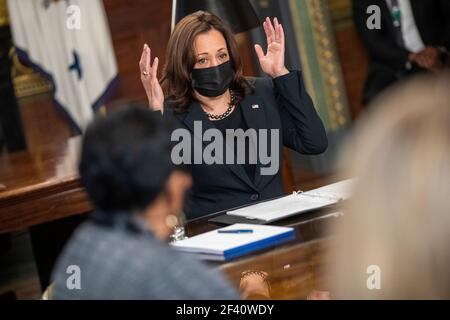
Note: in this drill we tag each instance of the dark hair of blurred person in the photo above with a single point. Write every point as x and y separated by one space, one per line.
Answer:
399 216
115 157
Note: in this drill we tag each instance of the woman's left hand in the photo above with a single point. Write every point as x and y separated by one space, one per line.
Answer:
272 62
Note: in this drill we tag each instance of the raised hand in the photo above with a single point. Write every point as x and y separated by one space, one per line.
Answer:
149 78
272 62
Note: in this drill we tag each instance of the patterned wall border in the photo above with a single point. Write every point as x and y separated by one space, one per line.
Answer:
341 13
320 63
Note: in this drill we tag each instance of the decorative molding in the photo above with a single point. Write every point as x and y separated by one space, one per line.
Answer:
340 13
329 62
320 62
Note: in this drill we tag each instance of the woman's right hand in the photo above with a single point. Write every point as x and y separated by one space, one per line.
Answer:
149 78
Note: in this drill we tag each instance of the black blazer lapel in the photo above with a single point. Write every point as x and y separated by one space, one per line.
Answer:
255 117
196 113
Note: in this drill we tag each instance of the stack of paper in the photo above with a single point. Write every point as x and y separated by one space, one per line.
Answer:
296 203
340 190
215 245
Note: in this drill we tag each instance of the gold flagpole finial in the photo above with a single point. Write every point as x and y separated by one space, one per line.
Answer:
4 20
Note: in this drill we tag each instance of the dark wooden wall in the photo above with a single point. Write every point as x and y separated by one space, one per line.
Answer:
354 63
352 54
132 24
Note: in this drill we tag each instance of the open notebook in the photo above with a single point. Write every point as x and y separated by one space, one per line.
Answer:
295 203
214 245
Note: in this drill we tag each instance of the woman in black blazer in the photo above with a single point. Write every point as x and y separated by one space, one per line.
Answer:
206 88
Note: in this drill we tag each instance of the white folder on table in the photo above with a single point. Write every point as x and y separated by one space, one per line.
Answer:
214 245
297 202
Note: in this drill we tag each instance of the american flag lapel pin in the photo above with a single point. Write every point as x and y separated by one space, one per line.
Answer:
255 106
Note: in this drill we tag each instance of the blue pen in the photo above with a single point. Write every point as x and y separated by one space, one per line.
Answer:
236 231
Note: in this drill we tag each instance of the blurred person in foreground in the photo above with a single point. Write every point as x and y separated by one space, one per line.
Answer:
121 252
398 219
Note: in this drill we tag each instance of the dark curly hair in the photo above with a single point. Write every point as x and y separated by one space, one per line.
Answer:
125 159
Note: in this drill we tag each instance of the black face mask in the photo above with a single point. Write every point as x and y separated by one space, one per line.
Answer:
214 81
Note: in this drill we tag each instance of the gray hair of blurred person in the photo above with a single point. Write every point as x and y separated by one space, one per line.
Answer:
399 216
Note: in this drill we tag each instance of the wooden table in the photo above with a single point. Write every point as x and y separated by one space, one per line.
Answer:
40 187
44 186
296 268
